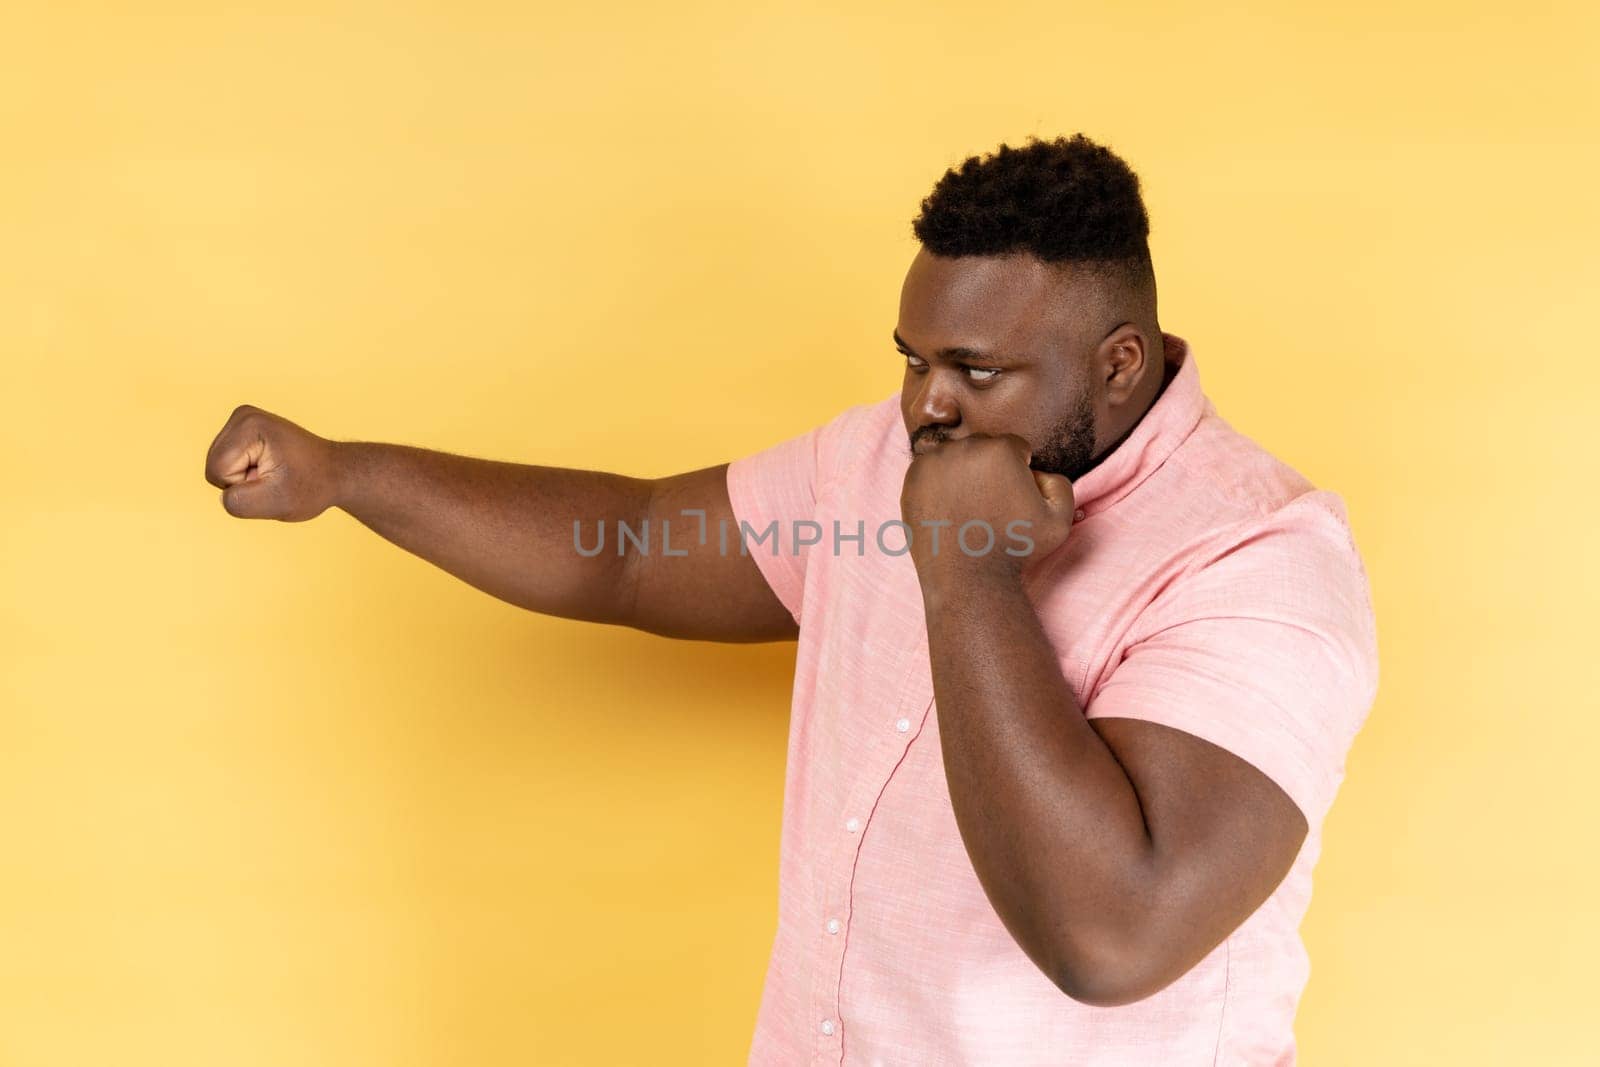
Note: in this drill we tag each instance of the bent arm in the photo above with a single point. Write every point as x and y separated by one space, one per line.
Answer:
1117 852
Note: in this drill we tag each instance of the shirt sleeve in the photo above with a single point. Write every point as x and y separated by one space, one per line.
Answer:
1267 649
779 487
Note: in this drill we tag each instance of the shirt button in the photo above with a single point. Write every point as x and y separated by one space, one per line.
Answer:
1077 516
828 1027
833 926
902 725
853 825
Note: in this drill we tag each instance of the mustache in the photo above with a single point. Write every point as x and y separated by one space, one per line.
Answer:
938 435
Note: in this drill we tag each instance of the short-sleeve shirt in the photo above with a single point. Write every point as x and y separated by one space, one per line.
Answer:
1205 585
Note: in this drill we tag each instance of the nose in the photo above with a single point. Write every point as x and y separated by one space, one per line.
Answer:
934 403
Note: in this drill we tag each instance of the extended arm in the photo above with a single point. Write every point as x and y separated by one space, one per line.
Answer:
507 528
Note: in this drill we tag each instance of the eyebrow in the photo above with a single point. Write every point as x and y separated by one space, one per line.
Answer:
957 354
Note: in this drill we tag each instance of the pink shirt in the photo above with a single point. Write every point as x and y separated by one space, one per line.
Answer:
1205 585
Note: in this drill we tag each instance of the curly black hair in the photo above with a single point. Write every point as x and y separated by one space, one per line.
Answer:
1067 201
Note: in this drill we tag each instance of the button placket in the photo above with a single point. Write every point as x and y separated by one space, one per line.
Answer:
857 811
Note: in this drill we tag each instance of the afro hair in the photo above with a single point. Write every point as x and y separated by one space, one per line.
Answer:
1066 201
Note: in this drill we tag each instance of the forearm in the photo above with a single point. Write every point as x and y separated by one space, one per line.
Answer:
505 528
1051 822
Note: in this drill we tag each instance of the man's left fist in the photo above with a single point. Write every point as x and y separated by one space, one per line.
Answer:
975 501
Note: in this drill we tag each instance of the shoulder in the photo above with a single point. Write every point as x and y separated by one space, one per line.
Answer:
1251 494
1263 549
857 438
1221 492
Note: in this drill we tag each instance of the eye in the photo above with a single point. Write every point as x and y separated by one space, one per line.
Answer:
912 361
982 374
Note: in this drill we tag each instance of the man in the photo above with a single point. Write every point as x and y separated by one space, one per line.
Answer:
1078 664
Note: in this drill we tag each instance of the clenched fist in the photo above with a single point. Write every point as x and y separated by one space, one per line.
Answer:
269 468
984 482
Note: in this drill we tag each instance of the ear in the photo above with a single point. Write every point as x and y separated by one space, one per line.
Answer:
1122 361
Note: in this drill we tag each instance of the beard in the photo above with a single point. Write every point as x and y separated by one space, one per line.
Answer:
1068 450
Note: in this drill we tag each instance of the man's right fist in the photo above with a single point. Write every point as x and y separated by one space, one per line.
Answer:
269 468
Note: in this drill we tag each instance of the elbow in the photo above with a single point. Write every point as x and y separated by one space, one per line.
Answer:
1112 972
1105 989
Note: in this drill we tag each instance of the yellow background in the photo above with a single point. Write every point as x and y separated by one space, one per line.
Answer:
279 794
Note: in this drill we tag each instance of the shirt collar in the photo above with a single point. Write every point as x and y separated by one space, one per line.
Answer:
1173 416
